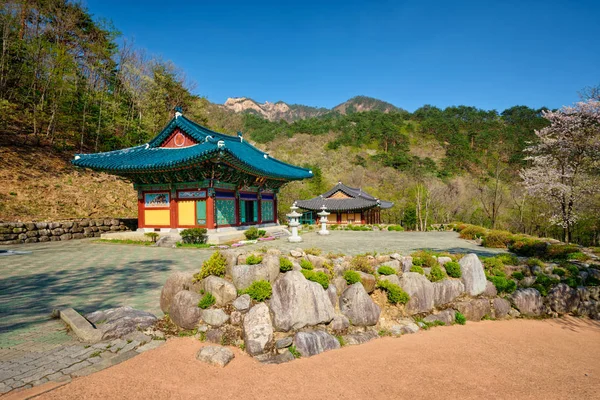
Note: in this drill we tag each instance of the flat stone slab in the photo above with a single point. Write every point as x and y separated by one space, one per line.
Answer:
80 326
215 355
151 345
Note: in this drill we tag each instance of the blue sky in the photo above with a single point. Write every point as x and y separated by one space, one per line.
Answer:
491 55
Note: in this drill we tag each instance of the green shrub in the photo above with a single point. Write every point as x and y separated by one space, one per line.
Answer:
313 251
453 269
508 259
351 277
503 284
471 232
417 261
546 281
395 228
386 270
543 291
206 301
395 294
528 247
320 277
361 263
518 275
215 265
251 233
534 262
285 264
496 239
561 251
417 269
436 274
427 259
573 281
559 271
152 235
579 256
305 264
262 233
258 290
328 265
253 259
194 235
459 318
573 270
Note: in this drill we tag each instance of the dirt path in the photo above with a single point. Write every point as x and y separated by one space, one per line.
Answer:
524 359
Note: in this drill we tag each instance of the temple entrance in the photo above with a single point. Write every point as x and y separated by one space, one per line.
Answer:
248 211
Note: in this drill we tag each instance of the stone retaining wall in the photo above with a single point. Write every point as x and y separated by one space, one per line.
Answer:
33 232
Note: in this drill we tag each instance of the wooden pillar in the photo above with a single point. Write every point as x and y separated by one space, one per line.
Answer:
275 215
338 217
173 208
210 212
238 220
362 217
141 222
259 219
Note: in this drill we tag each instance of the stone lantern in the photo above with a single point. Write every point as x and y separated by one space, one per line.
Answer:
294 223
323 214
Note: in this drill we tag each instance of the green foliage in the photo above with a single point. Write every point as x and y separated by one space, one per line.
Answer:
529 247
426 257
341 340
258 290
460 319
453 269
215 265
351 277
496 239
559 271
562 252
578 255
194 236
285 264
192 245
152 235
206 301
386 270
262 233
472 232
294 351
251 233
418 261
534 262
518 275
417 269
436 274
573 270
305 264
395 294
396 228
508 259
361 263
503 284
319 277
253 259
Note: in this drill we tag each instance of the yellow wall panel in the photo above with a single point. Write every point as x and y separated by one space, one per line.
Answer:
187 213
332 218
157 217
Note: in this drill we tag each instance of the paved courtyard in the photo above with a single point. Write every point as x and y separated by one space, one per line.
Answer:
90 276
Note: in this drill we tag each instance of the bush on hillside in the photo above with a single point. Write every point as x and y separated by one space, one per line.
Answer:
496 239
215 265
251 233
258 290
395 294
417 269
436 274
453 269
395 228
351 277
285 264
206 301
386 270
305 264
320 277
361 263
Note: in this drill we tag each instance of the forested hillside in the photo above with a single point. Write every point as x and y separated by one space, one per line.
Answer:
67 87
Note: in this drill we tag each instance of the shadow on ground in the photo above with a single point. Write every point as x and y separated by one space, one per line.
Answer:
24 298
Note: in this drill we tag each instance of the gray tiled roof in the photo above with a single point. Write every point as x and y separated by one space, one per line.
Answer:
358 200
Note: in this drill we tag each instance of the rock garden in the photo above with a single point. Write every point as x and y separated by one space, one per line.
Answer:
278 307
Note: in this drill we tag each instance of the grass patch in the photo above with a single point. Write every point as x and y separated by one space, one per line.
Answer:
319 277
192 245
453 269
125 241
295 351
386 270
259 290
460 319
285 264
395 294
206 301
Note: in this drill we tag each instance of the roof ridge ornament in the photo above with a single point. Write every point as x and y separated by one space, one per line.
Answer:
221 144
241 136
178 112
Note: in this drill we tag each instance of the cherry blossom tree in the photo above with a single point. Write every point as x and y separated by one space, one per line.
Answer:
564 161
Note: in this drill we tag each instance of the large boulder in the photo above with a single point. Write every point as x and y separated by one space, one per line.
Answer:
332 294
368 281
297 302
214 316
395 264
339 323
501 307
185 312
223 291
118 322
473 275
258 330
445 291
529 302
404 327
406 262
175 283
490 290
231 256
390 278
474 310
243 275
340 284
420 290
443 260
312 343
446 316
317 261
242 303
563 299
357 305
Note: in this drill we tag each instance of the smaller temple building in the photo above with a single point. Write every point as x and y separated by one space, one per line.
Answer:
191 177
346 205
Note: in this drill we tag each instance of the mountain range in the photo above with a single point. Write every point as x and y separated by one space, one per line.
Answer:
292 112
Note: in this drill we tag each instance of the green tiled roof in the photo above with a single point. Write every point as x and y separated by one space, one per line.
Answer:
150 157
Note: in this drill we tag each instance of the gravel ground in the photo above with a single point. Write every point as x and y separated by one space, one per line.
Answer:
514 359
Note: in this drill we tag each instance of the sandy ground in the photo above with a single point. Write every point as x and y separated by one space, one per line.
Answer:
516 359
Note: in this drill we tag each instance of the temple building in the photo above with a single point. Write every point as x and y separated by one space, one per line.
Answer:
191 177
346 205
